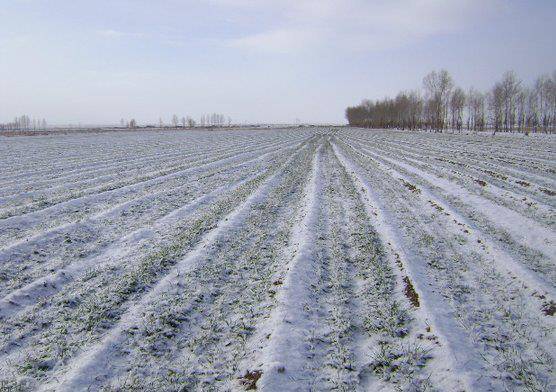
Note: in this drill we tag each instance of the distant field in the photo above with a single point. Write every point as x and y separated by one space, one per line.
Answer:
282 259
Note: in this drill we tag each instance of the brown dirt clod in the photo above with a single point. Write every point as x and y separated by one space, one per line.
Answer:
549 308
410 292
549 192
250 379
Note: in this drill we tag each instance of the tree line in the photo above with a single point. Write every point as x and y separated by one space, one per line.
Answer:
508 106
24 123
214 119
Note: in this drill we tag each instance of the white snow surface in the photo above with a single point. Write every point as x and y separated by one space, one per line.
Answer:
283 259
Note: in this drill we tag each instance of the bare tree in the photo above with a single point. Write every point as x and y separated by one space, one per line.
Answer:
470 112
543 87
521 103
415 110
510 86
496 106
532 114
438 87
457 104
475 110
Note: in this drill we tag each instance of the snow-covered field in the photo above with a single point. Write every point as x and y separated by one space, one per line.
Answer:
283 259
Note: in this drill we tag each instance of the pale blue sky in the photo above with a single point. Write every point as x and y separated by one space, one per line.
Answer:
273 61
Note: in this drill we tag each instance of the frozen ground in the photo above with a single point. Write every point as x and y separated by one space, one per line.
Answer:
284 259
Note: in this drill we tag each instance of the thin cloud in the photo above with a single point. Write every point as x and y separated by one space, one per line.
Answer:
108 33
357 25
277 41
161 39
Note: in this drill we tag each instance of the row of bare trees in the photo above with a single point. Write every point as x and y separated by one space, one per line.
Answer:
176 122
508 106
213 119
24 123
183 122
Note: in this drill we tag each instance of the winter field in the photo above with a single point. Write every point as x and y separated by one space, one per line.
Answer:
282 259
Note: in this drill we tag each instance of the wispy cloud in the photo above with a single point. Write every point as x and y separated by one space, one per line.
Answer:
357 24
278 41
109 33
156 37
